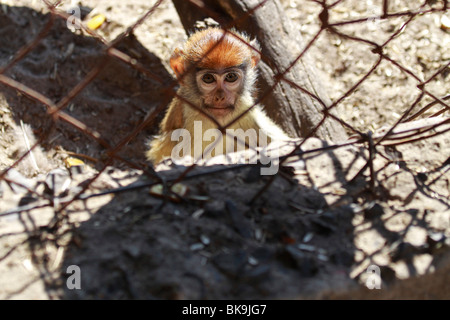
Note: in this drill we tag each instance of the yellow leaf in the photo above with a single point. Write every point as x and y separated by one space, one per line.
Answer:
96 21
73 162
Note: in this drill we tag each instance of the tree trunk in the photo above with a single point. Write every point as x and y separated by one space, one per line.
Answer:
295 111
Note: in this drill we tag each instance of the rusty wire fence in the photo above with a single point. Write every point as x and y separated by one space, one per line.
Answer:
57 109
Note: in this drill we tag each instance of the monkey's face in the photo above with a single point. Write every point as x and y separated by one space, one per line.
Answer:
220 89
216 71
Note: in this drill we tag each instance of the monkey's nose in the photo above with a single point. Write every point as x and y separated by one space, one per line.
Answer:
219 98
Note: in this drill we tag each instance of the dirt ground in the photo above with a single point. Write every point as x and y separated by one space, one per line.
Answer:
315 232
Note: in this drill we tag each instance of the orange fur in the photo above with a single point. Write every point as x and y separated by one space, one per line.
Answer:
215 48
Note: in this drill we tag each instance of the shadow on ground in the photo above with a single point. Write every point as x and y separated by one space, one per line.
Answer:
116 101
214 244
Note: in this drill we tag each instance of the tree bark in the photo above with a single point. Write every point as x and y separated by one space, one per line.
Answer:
294 110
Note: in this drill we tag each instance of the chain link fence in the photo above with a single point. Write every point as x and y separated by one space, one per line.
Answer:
76 123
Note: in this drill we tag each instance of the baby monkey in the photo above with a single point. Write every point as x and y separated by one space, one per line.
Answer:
216 70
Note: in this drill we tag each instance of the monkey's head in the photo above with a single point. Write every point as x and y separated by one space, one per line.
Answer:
216 70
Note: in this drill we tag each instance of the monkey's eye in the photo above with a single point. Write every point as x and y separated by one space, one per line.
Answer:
231 77
208 78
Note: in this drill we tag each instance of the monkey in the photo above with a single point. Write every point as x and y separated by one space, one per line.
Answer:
216 70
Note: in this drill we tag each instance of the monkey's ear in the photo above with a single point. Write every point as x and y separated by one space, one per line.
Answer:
255 54
177 62
255 58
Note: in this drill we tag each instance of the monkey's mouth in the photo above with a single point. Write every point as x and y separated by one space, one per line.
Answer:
220 111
